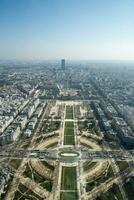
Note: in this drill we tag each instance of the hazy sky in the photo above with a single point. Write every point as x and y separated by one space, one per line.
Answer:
74 29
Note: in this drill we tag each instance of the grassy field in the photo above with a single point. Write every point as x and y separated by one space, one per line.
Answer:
50 126
82 125
69 133
68 196
24 193
69 124
100 179
122 165
44 182
68 182
69 112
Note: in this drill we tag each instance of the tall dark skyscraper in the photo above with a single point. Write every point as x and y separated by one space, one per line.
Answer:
63 64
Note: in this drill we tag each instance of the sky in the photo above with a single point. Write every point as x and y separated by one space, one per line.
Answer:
71 29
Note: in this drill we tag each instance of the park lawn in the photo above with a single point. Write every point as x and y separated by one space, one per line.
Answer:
68 196
69 124
82 125
69 136
50 126
69 109
122 165
69 115
69 140
45 183
68 179
54 126
100 179
24 193
69 112
69 131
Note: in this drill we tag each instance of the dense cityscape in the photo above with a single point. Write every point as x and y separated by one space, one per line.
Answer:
66 130
66 99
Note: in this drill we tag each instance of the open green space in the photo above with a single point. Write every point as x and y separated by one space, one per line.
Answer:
69 124
44 182
123 165
83 125
68 196
100 179
68 179
69 112
24 193
69 134
112 194
86 125
68 184
69 140
50 126
69 131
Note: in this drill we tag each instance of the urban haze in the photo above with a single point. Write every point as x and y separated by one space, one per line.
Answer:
66 100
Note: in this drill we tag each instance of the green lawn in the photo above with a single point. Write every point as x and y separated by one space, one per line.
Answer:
69 124
24 193
50 126
69 112
100 179
68 179
69 140
122 165
69 133
45 183
82 125
68 196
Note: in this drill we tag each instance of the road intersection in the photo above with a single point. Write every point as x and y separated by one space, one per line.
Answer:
66 153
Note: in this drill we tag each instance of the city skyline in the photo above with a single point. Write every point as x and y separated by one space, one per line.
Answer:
87 30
